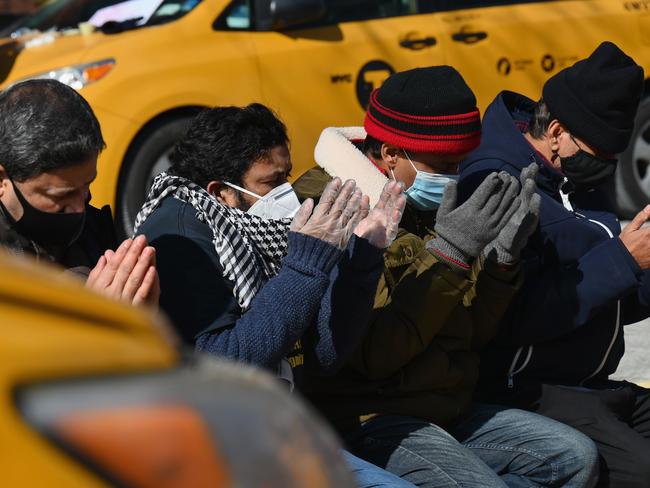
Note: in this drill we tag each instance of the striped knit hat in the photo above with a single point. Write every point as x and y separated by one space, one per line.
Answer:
429 110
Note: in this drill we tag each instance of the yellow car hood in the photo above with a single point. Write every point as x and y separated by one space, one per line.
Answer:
52 326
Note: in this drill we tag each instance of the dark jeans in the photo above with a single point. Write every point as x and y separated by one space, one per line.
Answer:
616 415
490 446
370 476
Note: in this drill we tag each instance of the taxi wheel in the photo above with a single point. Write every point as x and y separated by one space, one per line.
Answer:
148 156
633 173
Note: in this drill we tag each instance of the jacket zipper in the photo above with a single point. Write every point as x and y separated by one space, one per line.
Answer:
618 318
512 372
513 366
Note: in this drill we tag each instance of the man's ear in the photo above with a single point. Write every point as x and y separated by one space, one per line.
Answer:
3 176
223 193
553 133
389 155
218 190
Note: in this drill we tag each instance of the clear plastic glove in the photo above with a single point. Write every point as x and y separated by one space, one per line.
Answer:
128 274
506 248
341 208
381 224
464 231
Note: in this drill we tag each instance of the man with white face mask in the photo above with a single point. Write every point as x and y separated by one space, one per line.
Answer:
448 278
243 280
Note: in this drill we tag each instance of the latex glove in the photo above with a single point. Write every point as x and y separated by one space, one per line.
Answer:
381 224
464 231
506 248
341 208
128 274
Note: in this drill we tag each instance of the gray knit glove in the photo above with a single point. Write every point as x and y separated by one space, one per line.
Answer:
464 231
506 248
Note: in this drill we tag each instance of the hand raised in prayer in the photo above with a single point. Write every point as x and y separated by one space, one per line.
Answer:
381 224
128 274
339 211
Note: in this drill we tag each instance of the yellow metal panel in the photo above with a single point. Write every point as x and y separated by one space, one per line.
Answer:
53 328
311 76
119 132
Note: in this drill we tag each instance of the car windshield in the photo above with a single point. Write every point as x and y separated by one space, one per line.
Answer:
67 14
59 15
170 10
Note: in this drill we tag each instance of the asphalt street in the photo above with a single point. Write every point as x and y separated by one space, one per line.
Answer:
635 365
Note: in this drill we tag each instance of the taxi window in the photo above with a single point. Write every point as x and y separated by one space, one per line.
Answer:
170 10
237 15
427 6
356 10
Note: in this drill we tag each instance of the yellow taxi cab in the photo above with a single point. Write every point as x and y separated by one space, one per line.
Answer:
94 394
315 62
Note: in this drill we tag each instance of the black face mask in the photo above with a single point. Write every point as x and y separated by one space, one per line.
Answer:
585 170
57 230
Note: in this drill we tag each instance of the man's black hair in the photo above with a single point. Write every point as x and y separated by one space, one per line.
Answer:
540 120
222 143
45 125
372 146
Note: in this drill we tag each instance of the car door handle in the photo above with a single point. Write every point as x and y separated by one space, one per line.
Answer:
469 37
416 44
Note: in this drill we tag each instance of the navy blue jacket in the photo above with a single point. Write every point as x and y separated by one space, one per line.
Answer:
321 298
581 284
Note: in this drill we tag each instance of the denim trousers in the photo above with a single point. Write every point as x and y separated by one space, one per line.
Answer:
489 446
368 475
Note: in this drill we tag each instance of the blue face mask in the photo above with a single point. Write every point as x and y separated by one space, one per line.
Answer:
426 191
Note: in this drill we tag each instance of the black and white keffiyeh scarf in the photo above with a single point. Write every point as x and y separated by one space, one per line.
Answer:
250 249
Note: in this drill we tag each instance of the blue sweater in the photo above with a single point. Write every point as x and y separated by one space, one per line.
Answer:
321 299
566 318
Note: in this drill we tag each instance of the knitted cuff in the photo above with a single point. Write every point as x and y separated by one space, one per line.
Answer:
506 273
500 255
450 254
312 253
363 255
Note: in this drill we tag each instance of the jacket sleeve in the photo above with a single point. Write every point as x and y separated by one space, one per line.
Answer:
489 298
636 307
557 298
346 306
282 310
408 314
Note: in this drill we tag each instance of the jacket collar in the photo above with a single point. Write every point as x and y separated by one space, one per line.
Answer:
337 154
18 244
503 124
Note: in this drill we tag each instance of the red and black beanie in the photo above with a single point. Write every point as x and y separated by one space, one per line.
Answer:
425 110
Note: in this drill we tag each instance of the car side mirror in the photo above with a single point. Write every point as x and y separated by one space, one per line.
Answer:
273 15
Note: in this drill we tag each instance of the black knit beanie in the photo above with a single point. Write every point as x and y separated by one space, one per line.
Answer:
596 99
425 110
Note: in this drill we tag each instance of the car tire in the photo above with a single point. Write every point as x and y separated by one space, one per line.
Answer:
633 173
148 156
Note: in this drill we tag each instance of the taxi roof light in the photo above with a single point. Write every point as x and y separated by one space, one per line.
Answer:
156 446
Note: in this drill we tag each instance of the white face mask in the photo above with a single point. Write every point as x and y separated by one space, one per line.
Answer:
280 203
